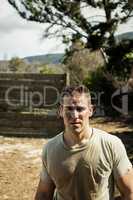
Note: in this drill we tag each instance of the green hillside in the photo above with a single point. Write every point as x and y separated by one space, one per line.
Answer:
47 59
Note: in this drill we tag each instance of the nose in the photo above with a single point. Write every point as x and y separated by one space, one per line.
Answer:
74 114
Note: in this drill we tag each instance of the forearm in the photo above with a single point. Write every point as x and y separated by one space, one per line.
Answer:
42 196
125 197
128 196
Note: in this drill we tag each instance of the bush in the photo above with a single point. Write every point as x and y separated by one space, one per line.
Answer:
103 89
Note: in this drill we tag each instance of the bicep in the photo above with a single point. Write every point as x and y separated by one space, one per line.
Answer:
125 183
122 170
45 189
121 162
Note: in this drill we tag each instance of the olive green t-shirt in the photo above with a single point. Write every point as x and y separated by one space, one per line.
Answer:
87 172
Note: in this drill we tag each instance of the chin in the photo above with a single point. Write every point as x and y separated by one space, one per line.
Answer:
77 131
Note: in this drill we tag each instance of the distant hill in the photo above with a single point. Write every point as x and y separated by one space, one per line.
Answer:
124 36
57 58
52 60
47 59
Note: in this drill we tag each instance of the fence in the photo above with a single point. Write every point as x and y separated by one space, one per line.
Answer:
28 103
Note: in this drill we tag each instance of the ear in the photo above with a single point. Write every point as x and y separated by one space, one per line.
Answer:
60 111
91 108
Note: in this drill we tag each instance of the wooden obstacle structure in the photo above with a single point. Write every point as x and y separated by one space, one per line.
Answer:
28 104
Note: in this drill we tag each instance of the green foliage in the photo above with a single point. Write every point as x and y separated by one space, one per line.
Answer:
129 55
63 17
21 66
114 75
120 59
45 69
17 65
102 88
80 60
95 80
50 69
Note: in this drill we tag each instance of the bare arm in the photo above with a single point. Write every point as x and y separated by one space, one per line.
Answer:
125 185
45 189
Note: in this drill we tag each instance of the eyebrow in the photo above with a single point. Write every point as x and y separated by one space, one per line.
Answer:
79 108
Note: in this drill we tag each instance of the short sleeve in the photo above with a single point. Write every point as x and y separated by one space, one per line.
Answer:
121 162
44 173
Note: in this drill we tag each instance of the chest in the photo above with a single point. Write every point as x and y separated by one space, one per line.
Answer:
88 165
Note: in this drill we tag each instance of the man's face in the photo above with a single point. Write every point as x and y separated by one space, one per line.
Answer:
76 112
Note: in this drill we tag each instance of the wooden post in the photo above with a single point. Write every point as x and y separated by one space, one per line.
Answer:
67 78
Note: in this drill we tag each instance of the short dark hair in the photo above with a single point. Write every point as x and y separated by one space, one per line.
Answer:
69 90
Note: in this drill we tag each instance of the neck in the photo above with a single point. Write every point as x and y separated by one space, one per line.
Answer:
76 139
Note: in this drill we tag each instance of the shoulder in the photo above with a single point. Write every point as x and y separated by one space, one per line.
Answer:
105 136
52 144
113 150
108 141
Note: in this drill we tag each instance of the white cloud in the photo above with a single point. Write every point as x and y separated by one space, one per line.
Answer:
19 37
24 43
126 27
12 23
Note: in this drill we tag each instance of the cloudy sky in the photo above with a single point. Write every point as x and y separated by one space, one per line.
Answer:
21 38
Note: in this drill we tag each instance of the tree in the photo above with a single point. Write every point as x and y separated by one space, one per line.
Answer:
81 61
68 18
130 2
17 65
120 60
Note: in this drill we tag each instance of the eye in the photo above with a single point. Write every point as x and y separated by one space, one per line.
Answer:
70 108
80 108
77 108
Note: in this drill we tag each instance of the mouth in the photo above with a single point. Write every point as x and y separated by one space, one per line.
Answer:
75 123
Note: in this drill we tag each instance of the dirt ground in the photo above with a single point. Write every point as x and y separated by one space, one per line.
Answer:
20 162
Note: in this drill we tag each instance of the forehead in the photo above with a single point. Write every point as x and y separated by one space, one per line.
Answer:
76 99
